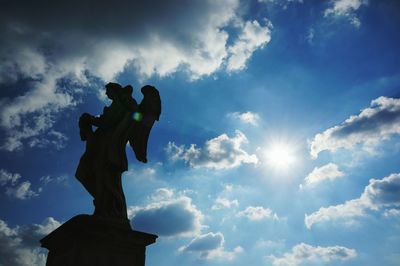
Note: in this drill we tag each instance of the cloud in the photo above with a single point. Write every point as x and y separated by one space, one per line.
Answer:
162 194
7 177
29 118
252 37
269 244
392 213
218 153
329 171
378 194
258 213
191 35
22 191
223 203
168 215
310 35
45 180
246 117
283 3
211 246
45 47
14 188
374 124
19 245
346 9
304 253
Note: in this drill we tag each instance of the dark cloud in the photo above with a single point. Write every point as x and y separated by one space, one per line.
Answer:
88 33
368 124
46 41
384 191
171 217
103 19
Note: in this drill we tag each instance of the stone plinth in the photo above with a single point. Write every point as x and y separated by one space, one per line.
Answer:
90 240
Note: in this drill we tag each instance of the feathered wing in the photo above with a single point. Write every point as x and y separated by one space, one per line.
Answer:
150 110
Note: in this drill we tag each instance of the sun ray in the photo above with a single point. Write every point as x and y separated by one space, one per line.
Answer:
280 155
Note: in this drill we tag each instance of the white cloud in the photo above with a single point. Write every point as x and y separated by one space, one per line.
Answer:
347 9
374 124
14 188
329 171
26 63
246 117
22 191
30 117
218 153
223 203
269 244
257 213
169 214
45 180
252 37
191 35
310 35
379 194
304 253
162 194
7 177
19 245
344 7
211 246
158 39
392 213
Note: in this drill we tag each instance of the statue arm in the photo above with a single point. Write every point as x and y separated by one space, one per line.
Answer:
97 120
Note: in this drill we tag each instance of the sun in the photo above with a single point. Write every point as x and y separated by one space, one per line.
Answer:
280 155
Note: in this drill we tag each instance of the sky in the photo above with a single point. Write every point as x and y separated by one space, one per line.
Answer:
278 142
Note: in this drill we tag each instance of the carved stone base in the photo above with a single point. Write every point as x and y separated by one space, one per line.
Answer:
90 240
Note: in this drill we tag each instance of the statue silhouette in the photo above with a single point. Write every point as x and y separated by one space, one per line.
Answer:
106 237
104 160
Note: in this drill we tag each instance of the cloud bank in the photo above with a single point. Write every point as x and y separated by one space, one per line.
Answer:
57 56
374 124
380 194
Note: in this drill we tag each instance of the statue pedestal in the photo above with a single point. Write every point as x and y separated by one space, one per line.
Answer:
90 240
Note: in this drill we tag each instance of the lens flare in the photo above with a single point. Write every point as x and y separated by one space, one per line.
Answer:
137 116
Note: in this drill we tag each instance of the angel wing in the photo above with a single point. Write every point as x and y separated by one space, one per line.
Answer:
149 111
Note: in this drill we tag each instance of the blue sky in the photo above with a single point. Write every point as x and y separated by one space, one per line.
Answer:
278 142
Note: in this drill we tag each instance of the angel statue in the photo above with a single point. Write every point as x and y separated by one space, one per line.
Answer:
104 160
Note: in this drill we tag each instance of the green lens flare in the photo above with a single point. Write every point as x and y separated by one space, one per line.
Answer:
137 116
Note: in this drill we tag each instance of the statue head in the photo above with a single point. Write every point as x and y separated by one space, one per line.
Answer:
149 90
113 90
